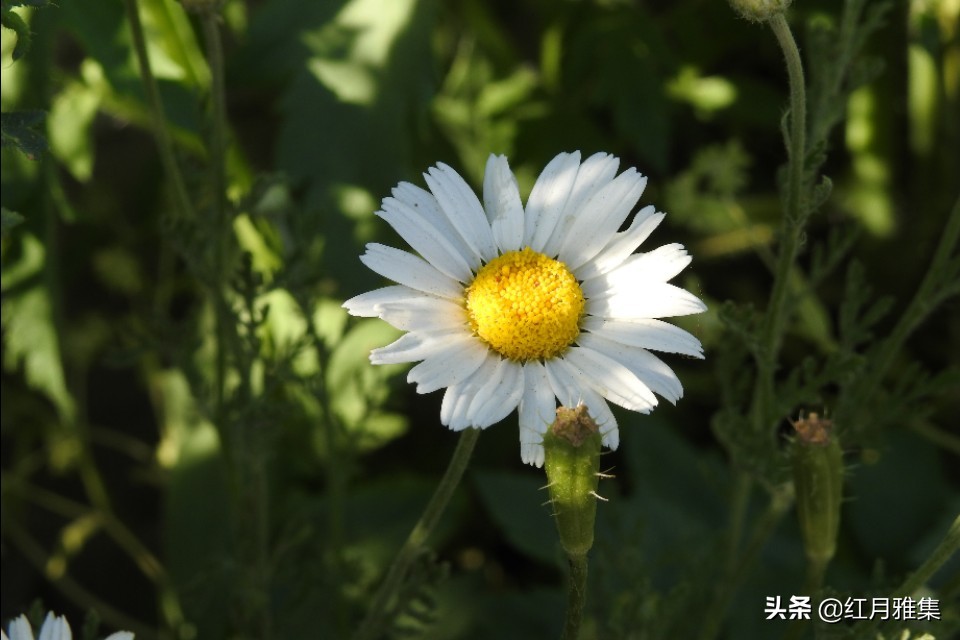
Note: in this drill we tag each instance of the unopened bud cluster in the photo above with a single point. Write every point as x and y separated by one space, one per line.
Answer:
759 10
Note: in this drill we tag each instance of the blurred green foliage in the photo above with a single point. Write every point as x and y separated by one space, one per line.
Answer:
194 442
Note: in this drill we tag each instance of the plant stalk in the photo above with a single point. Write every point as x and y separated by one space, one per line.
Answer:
381 608
160 130
790 230
576 596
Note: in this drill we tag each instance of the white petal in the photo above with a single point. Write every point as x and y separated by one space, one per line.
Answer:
538 410
653 371
657 300
429 241
572 387
120 635
423 202
600 217
410 270
501 199
659 265
415 346
603 416
532 453
646 333
549 198
499 396
453 363
564 382
595 173
622 245
423 314
611 438
55 628
20 629
462 208
367 305
457 399
611 379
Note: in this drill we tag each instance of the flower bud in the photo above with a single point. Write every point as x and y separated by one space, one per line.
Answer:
572 463
818 479
759 10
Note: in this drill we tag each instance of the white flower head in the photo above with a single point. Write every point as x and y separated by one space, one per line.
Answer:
54 628
512 308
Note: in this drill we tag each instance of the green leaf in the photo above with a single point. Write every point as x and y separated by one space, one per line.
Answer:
70 128
15 23
357 390
30 336
358 84
17 130
197 519
9 219
888 517
515 502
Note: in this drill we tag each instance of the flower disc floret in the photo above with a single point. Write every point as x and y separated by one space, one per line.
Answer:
525 305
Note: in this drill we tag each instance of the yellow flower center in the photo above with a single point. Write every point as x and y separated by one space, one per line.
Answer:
525 305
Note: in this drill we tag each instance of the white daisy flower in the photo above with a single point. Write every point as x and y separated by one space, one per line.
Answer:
54 628
509 308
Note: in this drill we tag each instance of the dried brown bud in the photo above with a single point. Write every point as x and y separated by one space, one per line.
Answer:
574 425
813 429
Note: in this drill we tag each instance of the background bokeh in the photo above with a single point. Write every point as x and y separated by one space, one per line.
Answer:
261 493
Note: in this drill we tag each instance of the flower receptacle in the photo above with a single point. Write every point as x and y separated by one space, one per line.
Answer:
572 462
818 477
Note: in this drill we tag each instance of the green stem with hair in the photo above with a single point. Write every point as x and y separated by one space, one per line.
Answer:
576 595
790 229
383 604
160 130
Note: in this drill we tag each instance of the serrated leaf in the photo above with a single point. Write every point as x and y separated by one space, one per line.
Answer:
821 192
859 313
9 219
17 130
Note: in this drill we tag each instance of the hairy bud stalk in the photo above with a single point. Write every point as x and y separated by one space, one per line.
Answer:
572 463
818 477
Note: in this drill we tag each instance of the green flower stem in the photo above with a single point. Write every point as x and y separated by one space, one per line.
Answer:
380 610
791 228
939 437
771 336
944 551
920 306
211 34
576 595
781 500
947 548
160 130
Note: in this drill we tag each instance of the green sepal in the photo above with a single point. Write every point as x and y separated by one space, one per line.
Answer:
818 480
572 463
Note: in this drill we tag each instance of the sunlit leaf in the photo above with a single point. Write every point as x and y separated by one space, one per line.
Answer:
30 336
